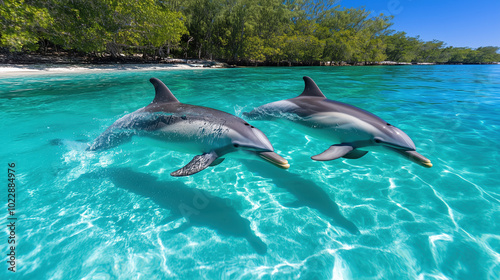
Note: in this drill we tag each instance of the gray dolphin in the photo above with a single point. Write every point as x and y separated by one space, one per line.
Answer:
211 133
355 130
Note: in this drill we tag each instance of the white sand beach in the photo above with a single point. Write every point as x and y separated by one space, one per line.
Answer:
28 69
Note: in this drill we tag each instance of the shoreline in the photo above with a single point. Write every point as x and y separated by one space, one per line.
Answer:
58 68
12 69
64 63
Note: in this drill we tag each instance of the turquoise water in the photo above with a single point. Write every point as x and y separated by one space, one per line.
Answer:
118 214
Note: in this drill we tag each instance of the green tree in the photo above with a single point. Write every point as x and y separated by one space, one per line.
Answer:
297 31
81 25
267 22
147 25
401 48
22 24
353 35
90 26
460 55
432 51
204 22
488 54
235 17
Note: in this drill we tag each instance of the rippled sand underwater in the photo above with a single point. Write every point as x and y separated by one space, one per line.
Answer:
118 214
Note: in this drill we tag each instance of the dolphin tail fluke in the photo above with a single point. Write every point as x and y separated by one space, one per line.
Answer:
197 164
334 152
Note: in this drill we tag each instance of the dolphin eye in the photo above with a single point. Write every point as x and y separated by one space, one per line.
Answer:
236 145
378 141
388 124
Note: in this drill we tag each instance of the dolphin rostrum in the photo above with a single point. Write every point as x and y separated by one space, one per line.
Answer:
355 131
212 134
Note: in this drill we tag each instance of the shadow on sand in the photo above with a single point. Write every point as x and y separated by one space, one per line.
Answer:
306 192
200 208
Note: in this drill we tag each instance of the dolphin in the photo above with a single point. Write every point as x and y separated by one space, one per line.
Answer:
211 134
353 131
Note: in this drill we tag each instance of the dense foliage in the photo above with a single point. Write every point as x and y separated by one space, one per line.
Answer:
271 31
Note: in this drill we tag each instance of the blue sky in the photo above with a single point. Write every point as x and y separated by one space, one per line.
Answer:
459 23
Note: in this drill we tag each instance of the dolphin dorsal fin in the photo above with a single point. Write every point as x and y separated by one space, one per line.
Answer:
311 89
162 93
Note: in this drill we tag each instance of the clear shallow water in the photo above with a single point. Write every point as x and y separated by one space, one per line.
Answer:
118 214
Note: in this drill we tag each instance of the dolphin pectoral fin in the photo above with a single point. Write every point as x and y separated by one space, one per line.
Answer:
334 152
355 154
197 164
217 161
